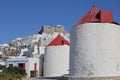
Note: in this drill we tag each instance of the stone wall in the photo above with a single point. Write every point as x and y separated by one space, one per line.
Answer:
51 30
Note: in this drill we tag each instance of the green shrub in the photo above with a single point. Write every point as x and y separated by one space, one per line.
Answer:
13 73
2 67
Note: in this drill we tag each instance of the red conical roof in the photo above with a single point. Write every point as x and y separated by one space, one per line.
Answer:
59 40
90 16
96 15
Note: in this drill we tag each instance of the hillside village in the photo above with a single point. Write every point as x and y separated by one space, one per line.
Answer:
28 52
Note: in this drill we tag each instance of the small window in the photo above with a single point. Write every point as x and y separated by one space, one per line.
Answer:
62 42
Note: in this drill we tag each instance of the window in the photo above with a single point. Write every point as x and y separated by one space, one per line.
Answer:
62 42
22 65
33 73
10 65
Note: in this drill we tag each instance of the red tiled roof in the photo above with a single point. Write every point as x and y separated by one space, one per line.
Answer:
59 40
94 15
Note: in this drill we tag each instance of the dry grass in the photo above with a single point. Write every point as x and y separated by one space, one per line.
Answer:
3 78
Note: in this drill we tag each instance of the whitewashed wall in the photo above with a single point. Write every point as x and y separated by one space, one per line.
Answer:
56 61
30 65
41 49
95 50
16 61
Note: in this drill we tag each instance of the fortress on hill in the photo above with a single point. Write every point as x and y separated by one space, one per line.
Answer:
51 30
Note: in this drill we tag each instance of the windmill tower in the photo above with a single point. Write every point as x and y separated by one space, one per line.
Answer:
56 58
95 47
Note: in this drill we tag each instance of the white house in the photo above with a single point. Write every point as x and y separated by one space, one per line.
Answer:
31 65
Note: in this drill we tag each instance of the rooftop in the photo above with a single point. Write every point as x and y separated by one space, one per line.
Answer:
97 15
59 40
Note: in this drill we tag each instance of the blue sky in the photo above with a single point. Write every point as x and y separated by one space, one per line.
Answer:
20 18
